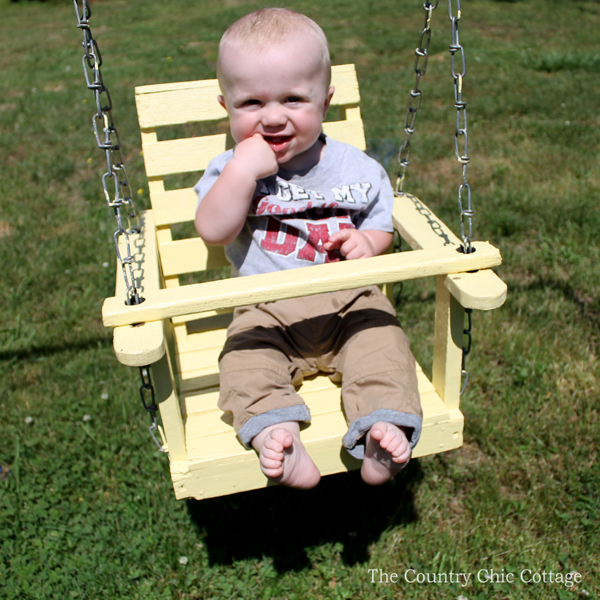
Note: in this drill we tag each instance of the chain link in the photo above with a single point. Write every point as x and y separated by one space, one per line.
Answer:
461 138
467 342
114 182
414 102
148 388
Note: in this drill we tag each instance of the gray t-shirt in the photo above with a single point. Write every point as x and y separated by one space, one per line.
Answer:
292 214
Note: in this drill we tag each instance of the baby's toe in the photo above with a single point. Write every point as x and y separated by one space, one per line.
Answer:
270 463
282 437
272 445
401 454
275 453
391 442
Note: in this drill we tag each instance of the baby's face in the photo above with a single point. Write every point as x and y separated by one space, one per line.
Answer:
281 93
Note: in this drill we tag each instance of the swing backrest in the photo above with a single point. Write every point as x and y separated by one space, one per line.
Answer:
183 127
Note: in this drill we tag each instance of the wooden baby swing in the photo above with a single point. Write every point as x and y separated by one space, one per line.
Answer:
180 329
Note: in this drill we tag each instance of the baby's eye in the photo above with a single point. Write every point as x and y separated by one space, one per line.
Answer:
293 99
251 102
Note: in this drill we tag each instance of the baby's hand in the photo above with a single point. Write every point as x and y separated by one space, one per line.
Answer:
351 243
256 156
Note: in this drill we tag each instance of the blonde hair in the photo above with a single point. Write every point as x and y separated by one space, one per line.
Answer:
269 27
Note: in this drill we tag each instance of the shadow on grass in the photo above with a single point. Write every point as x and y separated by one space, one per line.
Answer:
282 523
33 351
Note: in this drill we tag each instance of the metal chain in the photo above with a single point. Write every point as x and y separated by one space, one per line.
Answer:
466 348
414 102
466 213
114 181
117 193
462 152
148 388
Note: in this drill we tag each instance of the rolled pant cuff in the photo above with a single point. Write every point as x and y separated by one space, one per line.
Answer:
364 424
254 425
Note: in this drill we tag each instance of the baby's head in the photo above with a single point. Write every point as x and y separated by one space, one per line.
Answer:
274 73
269 28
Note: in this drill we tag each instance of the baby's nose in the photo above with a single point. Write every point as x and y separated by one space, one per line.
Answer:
273 116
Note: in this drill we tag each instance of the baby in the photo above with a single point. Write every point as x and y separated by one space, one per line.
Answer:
287 197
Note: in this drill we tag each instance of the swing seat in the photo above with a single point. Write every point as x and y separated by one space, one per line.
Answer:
180 327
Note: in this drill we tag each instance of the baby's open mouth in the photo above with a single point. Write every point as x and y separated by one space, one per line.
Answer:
278 142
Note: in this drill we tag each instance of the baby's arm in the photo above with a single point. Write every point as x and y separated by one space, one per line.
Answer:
353 243
221 214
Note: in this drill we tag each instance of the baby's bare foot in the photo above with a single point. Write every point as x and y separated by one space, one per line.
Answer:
283 458
387 452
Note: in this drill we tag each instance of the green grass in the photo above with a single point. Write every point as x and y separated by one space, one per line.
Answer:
86 505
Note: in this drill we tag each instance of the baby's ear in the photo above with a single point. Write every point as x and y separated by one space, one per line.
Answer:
330 92
221 100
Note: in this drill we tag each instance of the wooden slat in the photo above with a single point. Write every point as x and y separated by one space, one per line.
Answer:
299 282
184 155
350 132
178 103
448 342
170 412
185 256
174 206
189 256
192 101
343 78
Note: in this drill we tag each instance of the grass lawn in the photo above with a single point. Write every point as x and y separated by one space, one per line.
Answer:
86 505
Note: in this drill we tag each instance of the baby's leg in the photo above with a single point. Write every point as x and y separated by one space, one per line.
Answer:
283 457
387 451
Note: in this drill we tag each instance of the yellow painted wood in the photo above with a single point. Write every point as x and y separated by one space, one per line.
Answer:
190 256
483 290
183 155
174 206
350 132
149 136
448 341
156 185
299 282
202 315
419 226
178 103
170 414
352 113
139 345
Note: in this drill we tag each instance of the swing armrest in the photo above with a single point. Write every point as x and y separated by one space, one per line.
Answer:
140 344
422 229
240 291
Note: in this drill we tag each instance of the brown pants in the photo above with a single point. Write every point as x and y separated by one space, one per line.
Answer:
351 335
